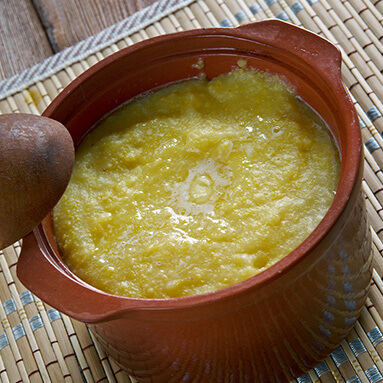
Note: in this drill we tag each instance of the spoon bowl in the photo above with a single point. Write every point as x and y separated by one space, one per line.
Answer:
36 160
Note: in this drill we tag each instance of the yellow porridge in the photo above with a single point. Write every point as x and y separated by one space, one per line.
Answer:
196 187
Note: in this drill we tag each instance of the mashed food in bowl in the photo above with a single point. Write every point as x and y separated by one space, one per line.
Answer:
196 187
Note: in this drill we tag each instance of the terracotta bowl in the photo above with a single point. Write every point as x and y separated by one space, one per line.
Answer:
273 326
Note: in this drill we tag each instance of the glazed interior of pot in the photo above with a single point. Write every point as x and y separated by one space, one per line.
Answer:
124 76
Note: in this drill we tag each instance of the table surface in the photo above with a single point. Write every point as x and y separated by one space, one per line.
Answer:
32 30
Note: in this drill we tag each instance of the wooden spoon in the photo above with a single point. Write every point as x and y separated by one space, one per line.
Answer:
36 161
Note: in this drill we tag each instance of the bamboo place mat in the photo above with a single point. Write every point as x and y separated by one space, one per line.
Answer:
37 343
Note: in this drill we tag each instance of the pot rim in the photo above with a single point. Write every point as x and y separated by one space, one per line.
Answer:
350 167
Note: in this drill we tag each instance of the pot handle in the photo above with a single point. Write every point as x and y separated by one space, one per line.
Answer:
39 269
313 49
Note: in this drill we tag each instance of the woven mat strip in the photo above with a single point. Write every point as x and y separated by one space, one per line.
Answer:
38 344
378 4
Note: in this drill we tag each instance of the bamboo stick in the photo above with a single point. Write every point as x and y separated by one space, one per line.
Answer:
89 350
378 5
33 326
364 359
343 363
324 373
85 370
369 23
256 10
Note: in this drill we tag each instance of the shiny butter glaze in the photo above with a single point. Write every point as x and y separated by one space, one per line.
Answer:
196 187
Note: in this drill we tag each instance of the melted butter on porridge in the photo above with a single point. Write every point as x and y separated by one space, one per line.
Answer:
196 187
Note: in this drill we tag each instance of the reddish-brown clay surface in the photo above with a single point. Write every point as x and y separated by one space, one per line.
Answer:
273 326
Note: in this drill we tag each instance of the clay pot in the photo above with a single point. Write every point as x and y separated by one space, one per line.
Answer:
273 326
